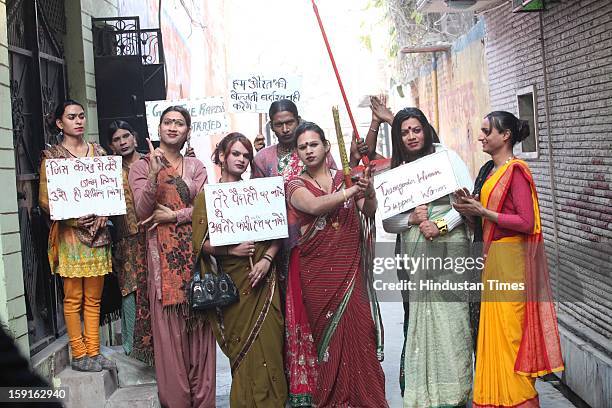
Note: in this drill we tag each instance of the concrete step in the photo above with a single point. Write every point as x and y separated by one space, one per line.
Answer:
52 360
143 396
87 390
130 371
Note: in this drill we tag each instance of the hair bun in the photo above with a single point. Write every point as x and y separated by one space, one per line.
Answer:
523 130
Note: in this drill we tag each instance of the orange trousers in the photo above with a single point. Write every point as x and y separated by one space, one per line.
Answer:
83 294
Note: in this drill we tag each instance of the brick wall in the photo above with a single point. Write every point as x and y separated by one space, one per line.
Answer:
578 50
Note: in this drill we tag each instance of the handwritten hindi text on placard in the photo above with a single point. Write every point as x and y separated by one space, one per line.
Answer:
255 92
83 186
250 210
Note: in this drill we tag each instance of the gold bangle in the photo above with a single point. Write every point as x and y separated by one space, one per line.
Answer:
374 130
344 194
442 226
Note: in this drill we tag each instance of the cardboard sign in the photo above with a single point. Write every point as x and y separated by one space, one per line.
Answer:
82 186
208 116
410 185
255 92
250 210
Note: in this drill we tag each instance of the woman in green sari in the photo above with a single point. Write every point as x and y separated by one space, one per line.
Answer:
436 364
250 332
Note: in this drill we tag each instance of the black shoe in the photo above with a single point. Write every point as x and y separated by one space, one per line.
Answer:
85 363
104 362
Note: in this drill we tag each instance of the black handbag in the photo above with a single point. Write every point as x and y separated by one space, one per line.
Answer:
211 290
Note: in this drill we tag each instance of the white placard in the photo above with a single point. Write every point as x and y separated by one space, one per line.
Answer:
410 185
250 210
208 116
255 92
82 186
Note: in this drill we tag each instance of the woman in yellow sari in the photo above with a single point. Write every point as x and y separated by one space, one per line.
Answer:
250 332
518 338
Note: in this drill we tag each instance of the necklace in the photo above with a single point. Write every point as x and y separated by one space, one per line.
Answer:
506 162
335 223
74 155
315 180
176 166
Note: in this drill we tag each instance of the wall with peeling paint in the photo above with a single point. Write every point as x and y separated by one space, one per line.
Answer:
463 93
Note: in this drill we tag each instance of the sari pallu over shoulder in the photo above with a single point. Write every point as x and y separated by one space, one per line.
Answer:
250 331
329 255
540 351
237 268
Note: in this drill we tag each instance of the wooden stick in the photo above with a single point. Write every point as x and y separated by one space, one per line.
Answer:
364 158
262 119
346 169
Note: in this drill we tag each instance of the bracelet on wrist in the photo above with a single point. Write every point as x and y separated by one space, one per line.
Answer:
442 226
267 258
344 195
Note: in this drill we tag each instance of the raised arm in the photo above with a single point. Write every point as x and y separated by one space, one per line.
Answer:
303 200
144 188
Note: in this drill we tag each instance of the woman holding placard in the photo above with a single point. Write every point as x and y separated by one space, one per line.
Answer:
333 344
436 365
164 184
79 249
250 332
282 159
518 338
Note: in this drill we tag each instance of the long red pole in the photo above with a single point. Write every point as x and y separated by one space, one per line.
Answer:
365 159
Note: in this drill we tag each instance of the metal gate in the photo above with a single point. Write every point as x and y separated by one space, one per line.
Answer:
129 63
37 79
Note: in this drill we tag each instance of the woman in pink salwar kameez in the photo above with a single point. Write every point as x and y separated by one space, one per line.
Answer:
165 184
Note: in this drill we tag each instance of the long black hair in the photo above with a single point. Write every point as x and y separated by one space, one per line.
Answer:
400 155
115 125
60 109
502 121
57 115
283 105
306 126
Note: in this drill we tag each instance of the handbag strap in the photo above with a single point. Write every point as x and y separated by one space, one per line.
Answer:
197 270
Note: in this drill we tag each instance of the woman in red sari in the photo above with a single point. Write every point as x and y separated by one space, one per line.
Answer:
332 341
518 338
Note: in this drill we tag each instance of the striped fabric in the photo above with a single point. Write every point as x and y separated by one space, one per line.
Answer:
332 280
